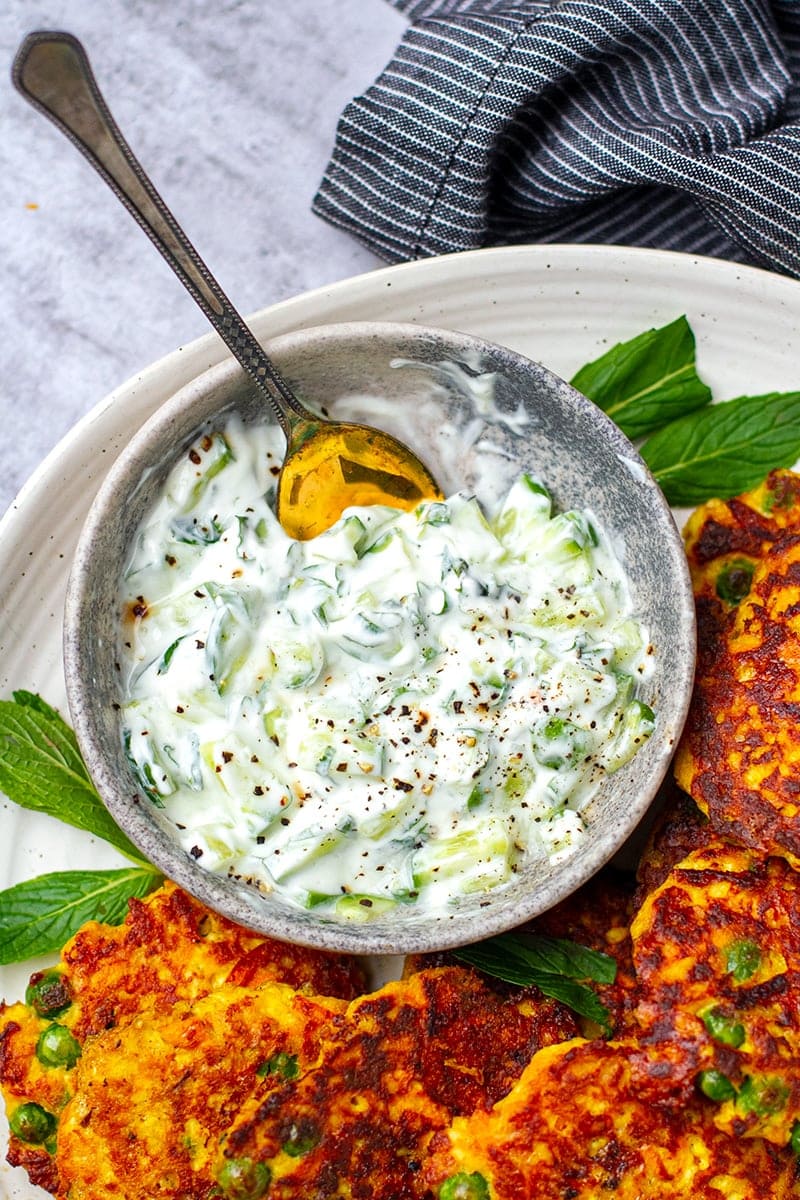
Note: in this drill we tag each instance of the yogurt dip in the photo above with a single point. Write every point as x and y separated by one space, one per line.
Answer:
402 710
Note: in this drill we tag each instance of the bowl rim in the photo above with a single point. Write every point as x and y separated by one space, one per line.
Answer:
441 931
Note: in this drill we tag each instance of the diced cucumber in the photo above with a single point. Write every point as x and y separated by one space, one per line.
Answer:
184 756
204 461
433 600
230 637
246 772
479 857
638 722
379 543
306 849
374 635
461 754
146 760
255 530
525 510
297 663
434 514
275 725
343 542
383 824
196 531
341 755
356 907
628 644
558 742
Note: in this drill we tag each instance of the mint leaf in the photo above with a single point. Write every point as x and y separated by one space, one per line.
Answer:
725 449
648 381
34 701
554 965
577 996
40 915
562 957
41 769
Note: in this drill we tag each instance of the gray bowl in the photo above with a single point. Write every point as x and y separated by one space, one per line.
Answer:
476 414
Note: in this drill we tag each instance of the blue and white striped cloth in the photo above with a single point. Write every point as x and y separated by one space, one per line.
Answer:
670 123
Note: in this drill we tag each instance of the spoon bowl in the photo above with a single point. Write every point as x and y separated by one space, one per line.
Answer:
333 465
328 466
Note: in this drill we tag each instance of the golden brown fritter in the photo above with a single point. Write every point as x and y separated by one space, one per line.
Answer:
152 1098
575 1125
393 1069
679 828
716 950
739 757
169 949
24 1080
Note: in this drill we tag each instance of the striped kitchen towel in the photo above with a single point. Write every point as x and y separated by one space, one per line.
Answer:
670 123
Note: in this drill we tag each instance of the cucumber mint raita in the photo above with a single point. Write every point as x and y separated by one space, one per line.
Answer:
403 710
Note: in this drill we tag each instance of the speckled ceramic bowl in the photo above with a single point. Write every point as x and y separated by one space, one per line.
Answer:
476 414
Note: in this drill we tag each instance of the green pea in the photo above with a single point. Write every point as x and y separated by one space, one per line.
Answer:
762 1095
281 1064
724 1029
244 1179
716 1086
301 1139
778 497
464 1187
32 1123
795 1138
742 959
48 993
733 581
57 1047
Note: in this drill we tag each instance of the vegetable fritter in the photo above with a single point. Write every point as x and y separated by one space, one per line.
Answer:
113 970
716 950
152 1098
575 1125
739 757
119 1090
394 1068
679 828
169 949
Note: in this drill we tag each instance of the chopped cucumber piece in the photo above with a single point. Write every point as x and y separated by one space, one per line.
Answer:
480 858
638 722
305 850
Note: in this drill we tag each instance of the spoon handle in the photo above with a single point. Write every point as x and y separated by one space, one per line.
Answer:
52 71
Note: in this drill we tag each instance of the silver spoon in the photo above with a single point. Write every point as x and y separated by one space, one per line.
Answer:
329 465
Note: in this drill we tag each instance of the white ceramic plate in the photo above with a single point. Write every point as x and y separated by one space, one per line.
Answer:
561 305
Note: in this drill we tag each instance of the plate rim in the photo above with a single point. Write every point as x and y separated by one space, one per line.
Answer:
210 343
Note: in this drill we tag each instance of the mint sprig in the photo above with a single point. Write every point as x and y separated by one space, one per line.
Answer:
41 769
696 450
40 915
559 968
726 449
647 381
